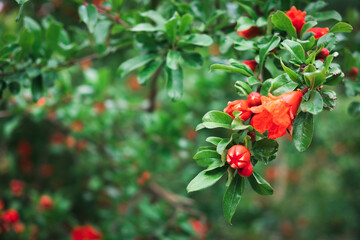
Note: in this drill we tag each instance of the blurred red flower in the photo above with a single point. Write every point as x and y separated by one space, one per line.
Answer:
17 187
86 232
45 203
24 148
252 64
249 33
10 216
199 227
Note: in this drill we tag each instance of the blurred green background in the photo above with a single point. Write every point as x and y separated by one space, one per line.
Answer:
91 145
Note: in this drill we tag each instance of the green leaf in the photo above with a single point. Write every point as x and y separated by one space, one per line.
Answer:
265 150
314 79
327 15
174 83
154 16
231 69
148 72
172 59
214 140
341 27
354 109
171 29
283 22
88 14
205 158
52 35
307 26
295 49
14 87
217 119
238 124
202 40
245 23
293 76
101 31
315 6
266 48
35 29
185 22
243 88
205 179
260 185
37 88
253 81
193 60
282 84
314 104
248 9
265 88
303 131
329 41
232 197
26 41
223 144
144 27
134 63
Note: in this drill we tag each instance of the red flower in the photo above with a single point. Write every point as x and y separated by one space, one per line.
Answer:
354 71
199 227
240 106
45 202
98 2
254 99
10 216
1 204
238 157
24 148
249 33
86 232
275 114
297 18
252 64
17 187
319 32
322 54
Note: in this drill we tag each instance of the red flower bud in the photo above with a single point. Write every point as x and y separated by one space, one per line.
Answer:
354 71
240 106
322 54
17 187
10 216
297 18
246 171
249 33
238 157
293 99
252 64
254 99
319 32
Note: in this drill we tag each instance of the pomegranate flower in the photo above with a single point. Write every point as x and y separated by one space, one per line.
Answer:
86 232
240 106
319 32
252 64
297 18
275 114
249 33
10 216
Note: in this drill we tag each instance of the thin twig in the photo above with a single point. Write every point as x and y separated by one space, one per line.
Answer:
153 89
116 18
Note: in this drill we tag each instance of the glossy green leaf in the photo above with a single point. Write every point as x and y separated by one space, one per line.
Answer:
238 124
145 27
232 197
174 83
154 16
205 179
295 49
193 60
172 59
148 72
88 14
243 88
329 41
266 48
260 185
293 76
185 22
202 40
214 140
341 27
314 104
216 119
303 131
265 150
283 22
231 69
327 15
134 63
171 29
282 84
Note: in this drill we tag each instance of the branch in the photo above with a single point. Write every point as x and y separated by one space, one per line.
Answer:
115 18
153 89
